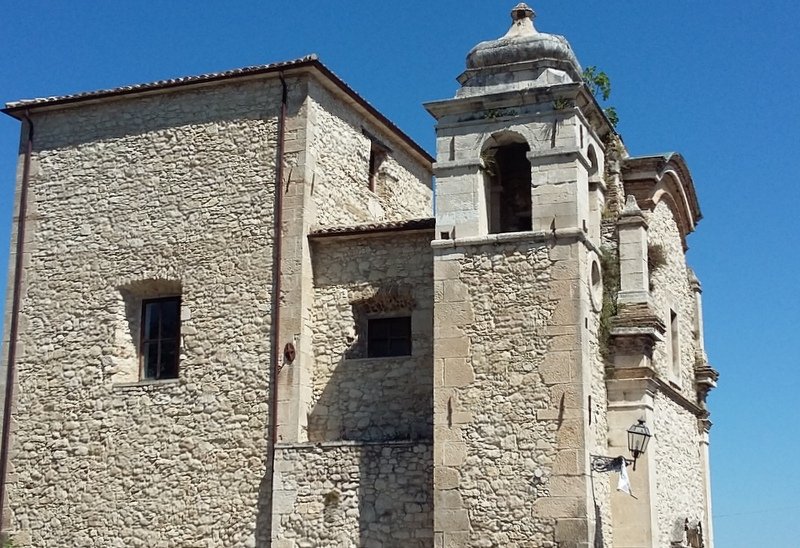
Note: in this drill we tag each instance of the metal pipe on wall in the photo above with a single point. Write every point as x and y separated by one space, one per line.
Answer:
22 213
276 294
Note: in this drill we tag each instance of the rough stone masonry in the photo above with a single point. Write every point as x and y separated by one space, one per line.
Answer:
334 366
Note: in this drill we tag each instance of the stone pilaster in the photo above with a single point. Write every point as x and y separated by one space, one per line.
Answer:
631 394
451 370
560 194
704 426
633 269
299 213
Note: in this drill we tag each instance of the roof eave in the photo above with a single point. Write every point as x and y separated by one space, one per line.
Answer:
311 62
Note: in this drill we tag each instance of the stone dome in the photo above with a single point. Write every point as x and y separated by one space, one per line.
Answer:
524 44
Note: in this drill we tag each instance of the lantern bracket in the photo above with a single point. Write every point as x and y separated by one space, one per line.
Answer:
601 463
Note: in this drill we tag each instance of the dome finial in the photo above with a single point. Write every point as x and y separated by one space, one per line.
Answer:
522 11
522 15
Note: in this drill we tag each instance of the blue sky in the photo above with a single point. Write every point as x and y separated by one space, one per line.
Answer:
715 81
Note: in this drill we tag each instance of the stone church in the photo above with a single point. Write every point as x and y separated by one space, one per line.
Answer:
233 322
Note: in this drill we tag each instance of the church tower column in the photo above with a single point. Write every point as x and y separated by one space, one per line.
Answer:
517 149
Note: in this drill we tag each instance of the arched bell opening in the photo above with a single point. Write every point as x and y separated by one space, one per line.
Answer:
508 184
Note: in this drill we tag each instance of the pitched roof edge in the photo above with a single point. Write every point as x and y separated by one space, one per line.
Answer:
375 228
17 109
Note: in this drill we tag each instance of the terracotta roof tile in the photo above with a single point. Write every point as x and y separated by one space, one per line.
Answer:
389 226
159 84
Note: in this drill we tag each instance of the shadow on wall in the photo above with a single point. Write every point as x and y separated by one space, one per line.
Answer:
378 399
395 496
599 541
263 532
374 400
384 407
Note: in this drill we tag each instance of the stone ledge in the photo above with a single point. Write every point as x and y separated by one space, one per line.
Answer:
537 236
350 443
651 381
126 386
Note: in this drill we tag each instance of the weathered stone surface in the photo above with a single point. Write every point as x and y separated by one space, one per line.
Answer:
355 494
507 306
147 191
361 398
173 194
341 177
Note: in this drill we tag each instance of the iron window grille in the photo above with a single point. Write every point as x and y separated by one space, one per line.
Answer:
387 337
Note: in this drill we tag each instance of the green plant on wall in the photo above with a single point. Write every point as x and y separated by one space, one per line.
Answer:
609 264
488 163
496 113
600 85
562 103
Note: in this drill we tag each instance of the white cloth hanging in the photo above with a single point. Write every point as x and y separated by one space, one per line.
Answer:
624 484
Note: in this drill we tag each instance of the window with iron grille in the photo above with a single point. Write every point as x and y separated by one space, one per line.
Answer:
389 337
160 336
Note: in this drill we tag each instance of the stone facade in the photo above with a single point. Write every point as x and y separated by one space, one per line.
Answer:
351 371
362 398
350 494
341 146
97 460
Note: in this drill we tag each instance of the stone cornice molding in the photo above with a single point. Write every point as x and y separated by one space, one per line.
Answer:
645 380
652 179
538 237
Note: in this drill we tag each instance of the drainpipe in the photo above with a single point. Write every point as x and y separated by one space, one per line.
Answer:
15 305
276 294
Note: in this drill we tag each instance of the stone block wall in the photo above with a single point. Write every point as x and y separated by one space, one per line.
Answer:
361 398
352 494
174 189
597 405
341 149
508 396
670 289
680 492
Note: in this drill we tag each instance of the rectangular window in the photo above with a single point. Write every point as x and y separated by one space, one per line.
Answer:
160 333
389 337
377 154
675 340
376 157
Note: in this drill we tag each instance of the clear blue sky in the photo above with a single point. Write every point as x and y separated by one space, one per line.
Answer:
717 81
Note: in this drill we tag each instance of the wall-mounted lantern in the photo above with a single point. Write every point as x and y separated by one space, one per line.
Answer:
638 438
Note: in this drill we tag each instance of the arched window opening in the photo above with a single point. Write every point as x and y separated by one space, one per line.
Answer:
509 196
593 166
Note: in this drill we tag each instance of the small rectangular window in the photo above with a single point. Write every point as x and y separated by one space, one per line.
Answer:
389 337
377 154
675 343
160 334
376 157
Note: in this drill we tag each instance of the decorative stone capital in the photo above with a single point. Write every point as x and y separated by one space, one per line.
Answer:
631 215
638 316
705 378
635 330
633 387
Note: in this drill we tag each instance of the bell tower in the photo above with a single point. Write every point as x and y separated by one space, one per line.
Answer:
518 294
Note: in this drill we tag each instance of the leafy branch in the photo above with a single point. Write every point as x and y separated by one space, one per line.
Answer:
600 85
